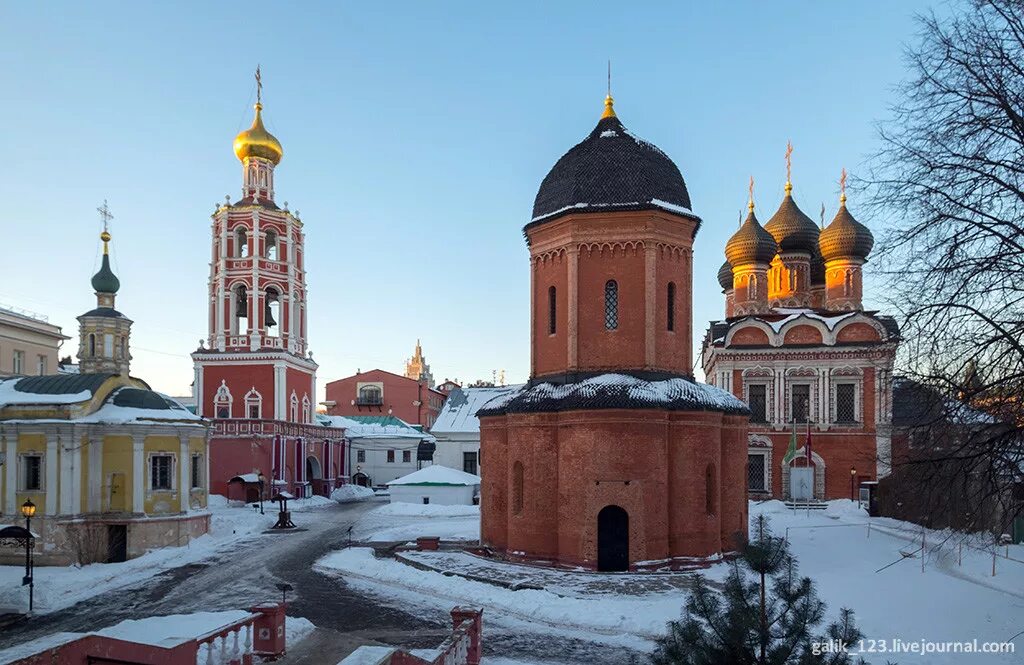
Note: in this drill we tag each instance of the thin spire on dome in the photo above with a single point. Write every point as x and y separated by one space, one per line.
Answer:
609 101
750 205
259 87
789 167
105 281
106 216
842 187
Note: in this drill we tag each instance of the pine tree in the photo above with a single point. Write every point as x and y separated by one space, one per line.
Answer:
765 614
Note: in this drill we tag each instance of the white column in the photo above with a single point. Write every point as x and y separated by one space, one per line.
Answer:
67 483
254 295
184 475
138 474
52 463
95 457
197 389
221 286
280 394
76 475
10 476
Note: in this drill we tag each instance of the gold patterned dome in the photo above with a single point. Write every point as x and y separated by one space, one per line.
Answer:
257 141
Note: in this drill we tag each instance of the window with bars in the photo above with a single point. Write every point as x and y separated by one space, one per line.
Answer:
160 472
469 463
611 305
800 396
755 473
757 397
845 403
361 456
32 473
552 310
671 307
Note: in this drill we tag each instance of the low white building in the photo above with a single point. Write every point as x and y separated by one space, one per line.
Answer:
437 485
458 431
379 449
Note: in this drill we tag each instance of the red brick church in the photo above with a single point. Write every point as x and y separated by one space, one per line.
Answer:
254 374
612 456
799 348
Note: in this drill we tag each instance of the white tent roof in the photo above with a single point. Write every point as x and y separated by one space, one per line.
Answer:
436 474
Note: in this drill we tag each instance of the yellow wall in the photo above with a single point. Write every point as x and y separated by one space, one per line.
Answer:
32 443
197 445
162 502
117 458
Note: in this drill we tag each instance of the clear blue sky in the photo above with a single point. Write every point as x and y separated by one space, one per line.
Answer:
415 136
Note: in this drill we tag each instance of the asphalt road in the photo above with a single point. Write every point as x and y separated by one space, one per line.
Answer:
248 572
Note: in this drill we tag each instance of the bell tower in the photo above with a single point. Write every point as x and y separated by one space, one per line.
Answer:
104 331
257 296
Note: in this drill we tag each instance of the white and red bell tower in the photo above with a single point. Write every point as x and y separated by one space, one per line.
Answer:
254 372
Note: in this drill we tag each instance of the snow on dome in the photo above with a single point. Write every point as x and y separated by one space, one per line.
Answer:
617 391
436 474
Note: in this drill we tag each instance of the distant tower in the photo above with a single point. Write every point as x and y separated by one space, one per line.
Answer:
104 331
255 363
416 368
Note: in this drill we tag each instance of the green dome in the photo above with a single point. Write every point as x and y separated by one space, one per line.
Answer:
105 281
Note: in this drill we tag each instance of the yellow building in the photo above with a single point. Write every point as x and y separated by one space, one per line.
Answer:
113 467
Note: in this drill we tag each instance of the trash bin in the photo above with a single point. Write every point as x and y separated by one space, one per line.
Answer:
869 496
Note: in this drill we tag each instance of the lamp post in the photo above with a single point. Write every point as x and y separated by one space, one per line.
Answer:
853 478
28 509
262 479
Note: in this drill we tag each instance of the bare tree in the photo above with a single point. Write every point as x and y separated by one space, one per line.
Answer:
949 182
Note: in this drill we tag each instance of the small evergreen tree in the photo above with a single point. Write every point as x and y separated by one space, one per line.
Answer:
765 614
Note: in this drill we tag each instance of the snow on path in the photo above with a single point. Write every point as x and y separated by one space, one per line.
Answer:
395 522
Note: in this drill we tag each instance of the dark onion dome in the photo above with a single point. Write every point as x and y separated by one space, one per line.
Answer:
725 276
845 237
751 243
612 169
817 268
793 230
105 281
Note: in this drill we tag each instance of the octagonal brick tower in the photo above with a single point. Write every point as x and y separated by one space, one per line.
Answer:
612 454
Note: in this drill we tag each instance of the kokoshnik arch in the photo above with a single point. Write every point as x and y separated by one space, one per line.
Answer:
612 456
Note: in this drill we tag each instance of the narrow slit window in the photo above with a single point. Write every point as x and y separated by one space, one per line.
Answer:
552 310
611 305
671 307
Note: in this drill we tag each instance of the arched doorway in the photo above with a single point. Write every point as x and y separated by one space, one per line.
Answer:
313 468
361 479
612 539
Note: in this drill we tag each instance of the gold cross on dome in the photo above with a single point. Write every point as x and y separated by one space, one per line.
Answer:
105 215
842 185
259 86
750 206
789 161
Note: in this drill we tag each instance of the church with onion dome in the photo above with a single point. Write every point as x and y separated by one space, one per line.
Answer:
798 347
612 456
111 467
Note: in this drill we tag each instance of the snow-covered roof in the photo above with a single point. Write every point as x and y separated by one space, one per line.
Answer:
617 391
127 405
374 427
459 411
10 395
247 478
436 474
790 314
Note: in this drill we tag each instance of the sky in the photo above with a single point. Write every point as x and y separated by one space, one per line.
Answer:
415 136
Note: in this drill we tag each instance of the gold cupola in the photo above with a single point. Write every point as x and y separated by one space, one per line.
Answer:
257 141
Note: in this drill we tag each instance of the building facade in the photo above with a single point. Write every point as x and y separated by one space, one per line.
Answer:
254 373
457 428
114 468
381 448
612 456
798 347
379 392
29 344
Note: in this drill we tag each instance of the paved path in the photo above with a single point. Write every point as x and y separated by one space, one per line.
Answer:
248 571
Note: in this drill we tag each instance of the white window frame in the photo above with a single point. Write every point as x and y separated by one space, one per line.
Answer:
294 407
747 383
253 398
766 455
812 396
42 364
858 389
360 456
305 409
18 362
222 398
173 473
22 470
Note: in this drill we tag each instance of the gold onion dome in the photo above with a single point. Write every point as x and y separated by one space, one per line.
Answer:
845 237
792 229
257 141
725 276
751 243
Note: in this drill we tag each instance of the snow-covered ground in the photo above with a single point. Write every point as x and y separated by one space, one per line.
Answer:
948 602
60 587
407 521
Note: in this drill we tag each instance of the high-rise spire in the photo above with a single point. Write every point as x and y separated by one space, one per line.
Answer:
609 101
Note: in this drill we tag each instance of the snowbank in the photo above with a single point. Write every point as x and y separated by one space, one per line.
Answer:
351 492
427 510
407 521
167 631
435 474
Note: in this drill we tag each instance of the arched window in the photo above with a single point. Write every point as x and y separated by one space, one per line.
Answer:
241 303
305 408
370 395
272 312
271 249
517 488
670 311
552 310
222 401
294 407
611 305
241 243
92 345
253 404
709 489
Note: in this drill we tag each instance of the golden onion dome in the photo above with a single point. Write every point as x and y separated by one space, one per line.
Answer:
751 243
257 141
845 237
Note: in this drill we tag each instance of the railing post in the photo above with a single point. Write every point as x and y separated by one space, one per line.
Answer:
209 652
236 657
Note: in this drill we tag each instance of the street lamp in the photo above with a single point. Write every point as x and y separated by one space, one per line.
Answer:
28 509
853 478
261 479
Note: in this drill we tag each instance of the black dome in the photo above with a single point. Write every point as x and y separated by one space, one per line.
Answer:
612 169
